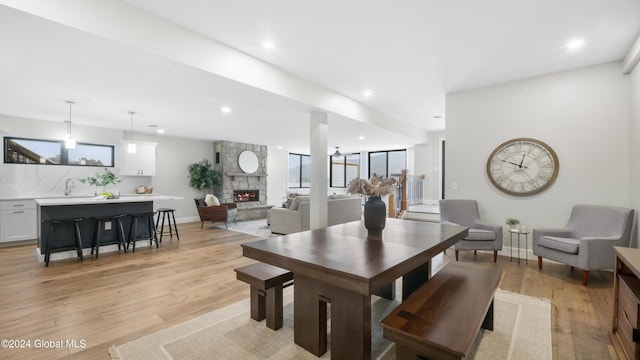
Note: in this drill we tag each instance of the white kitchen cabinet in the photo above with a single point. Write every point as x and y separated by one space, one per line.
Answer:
18 220
142 162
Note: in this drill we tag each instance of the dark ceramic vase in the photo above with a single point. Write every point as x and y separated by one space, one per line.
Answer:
375 214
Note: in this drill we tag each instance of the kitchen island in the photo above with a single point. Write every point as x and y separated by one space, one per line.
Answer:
88 207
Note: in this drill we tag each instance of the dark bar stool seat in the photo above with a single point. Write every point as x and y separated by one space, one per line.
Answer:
168 213
151 234
56 223
116 225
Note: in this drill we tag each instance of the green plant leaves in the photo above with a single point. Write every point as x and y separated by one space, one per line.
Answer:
104 179
203 176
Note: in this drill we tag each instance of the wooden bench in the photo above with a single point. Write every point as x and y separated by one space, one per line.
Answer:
267 282
441 319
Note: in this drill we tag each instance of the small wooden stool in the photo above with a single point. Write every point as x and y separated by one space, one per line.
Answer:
151 234
50 238
267 282
116 225
168 213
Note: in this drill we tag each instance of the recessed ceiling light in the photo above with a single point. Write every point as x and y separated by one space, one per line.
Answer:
160 131
280 147
575 44
268 45
360 137
367 93
225 109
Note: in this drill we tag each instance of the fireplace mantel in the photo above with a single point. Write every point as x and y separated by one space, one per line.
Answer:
245 174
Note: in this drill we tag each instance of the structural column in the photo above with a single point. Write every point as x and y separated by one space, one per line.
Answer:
319 171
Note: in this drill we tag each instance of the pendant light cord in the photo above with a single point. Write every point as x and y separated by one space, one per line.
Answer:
131 113
69 125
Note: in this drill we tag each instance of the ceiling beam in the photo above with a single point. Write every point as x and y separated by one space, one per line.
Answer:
633 57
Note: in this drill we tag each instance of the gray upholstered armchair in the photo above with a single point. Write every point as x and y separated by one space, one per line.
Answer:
588 239
481 236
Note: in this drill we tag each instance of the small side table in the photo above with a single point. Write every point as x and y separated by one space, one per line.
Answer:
516 233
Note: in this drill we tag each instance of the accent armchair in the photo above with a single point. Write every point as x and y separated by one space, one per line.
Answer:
482 236
588 239
221 213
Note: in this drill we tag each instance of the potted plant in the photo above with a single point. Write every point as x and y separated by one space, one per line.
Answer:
202 176
512 222
102 180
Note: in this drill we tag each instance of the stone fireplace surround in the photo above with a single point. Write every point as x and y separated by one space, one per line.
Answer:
234 179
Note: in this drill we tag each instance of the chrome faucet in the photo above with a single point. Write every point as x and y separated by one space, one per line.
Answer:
68 186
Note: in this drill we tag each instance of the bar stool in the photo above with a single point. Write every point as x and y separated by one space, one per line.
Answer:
168 213
100 224
53 223
151 234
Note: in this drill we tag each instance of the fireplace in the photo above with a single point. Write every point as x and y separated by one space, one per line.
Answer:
246 195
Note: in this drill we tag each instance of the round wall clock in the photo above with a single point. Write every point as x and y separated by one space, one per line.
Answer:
523 167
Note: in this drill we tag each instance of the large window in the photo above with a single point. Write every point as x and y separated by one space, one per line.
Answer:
52 152
386 163
343 169
299 171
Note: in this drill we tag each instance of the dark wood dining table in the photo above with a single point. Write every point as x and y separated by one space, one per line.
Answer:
344 265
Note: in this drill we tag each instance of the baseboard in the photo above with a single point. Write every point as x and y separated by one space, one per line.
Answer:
524 253
86 252
187 219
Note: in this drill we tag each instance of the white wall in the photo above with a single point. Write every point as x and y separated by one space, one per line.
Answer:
582 114
427 162
173 157
278 171
634 137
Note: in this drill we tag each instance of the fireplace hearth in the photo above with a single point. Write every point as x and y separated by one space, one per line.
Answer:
246 195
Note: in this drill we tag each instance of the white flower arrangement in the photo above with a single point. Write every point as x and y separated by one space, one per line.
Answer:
376 186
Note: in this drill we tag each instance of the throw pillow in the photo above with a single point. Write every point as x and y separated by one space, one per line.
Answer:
338 196
211 200
294 204
288 203
304 198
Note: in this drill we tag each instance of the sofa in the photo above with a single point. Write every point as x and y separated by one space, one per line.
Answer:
295 217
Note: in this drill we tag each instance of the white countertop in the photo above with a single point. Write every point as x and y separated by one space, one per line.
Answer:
94 200
33 197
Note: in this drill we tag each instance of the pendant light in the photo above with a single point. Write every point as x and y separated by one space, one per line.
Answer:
337 153
131 147
69 141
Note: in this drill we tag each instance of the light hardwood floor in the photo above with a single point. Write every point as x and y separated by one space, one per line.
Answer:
121 297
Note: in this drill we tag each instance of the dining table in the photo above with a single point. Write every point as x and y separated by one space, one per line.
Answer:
345 265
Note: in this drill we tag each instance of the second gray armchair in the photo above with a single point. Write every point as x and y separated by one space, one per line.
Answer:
481 236
588 239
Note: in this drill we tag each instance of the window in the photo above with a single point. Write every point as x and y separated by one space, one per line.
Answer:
52 152
299 171
343 169
386 163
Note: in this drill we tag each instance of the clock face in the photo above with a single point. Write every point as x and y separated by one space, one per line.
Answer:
522 167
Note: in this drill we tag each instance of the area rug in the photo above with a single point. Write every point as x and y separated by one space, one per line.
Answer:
256 227
522 330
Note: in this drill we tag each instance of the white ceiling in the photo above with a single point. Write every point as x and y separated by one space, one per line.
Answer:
408 53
